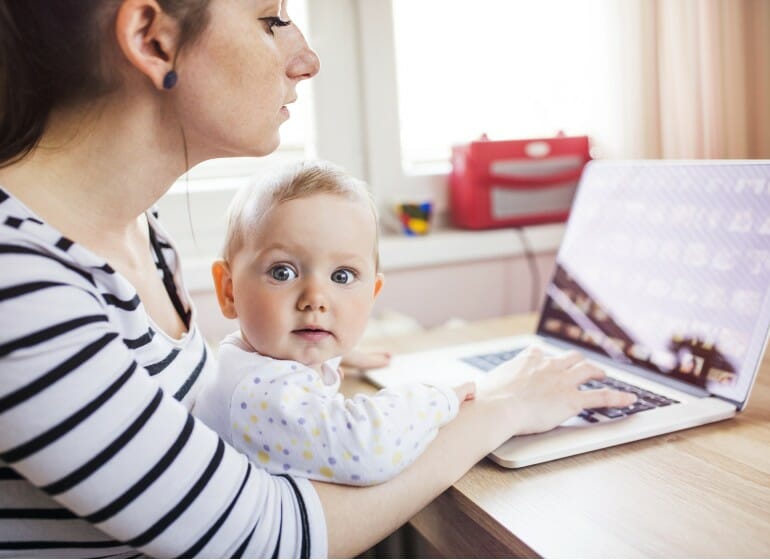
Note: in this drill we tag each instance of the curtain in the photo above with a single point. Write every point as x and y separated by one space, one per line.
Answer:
695 78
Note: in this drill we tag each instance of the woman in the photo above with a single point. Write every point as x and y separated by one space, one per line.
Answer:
104 105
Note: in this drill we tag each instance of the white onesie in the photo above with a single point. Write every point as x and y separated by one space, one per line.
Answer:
291 419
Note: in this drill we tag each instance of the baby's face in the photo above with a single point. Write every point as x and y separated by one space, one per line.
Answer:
305 281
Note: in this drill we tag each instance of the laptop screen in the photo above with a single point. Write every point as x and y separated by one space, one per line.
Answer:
666 266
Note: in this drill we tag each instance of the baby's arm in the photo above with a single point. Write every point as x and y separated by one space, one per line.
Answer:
291 425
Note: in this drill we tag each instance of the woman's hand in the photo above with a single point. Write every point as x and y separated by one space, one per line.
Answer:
538 392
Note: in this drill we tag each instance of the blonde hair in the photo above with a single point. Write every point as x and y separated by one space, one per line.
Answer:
301 180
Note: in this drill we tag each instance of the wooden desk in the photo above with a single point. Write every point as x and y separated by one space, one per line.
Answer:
703 492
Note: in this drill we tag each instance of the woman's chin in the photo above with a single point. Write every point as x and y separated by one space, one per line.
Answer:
265 148
261 148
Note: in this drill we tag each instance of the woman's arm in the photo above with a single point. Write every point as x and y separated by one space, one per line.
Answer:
83 421
529 394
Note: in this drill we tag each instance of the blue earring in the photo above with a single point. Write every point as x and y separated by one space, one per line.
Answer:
169 80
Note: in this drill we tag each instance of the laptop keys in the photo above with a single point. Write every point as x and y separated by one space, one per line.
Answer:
487 362
638 406
646 400
478 362
591 384
609 412
588 416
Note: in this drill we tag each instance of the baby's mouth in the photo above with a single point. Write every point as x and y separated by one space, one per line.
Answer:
312 334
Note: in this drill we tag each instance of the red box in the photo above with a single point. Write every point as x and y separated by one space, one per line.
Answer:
515 182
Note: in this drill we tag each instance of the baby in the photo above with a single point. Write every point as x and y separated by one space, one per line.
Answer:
301 273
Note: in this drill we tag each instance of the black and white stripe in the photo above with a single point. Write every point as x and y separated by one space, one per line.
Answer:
99 456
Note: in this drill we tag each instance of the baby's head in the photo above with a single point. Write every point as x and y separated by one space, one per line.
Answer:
301 268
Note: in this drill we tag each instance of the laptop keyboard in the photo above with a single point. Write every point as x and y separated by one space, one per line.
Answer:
487 362
646 400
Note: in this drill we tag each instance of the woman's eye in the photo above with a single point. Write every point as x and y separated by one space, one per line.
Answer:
282 273
274 21
343 276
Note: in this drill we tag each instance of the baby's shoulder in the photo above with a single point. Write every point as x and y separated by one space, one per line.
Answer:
235 358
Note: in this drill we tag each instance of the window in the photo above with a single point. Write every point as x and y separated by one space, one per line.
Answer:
437 72
509 69
401 80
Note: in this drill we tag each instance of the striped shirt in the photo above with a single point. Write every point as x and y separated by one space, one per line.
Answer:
99 455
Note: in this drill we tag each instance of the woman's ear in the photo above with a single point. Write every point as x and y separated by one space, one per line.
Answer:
378 282
223 284
147 36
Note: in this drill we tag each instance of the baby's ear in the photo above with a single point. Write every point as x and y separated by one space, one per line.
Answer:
223 284
378 282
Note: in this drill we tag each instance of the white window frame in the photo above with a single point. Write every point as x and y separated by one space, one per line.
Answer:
387 175
356 99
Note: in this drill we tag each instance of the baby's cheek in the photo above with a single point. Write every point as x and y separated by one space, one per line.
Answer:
355 325
254 336
265 341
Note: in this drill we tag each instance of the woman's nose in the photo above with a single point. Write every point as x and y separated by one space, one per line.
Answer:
304 62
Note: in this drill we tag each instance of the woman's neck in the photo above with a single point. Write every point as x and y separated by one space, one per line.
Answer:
95 171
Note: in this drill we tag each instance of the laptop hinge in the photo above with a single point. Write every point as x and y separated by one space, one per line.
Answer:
737 404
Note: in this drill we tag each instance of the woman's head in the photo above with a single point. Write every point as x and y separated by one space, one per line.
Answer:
237 69
236 83
54 54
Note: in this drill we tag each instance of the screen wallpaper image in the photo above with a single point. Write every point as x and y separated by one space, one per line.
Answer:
668 268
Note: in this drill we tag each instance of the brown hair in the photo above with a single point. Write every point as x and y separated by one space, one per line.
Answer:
301 180
53 53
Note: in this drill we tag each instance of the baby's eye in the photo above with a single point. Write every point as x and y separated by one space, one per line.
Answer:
343 276
282 273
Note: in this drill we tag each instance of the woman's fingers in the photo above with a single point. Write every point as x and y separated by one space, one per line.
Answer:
524 364
568 360
585 371
531 355
606 398
528 359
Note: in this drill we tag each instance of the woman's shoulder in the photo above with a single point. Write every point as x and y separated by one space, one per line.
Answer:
64 293
24 236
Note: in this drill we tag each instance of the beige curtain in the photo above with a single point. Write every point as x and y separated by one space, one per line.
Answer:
696 78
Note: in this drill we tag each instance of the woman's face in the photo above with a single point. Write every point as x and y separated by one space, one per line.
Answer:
236 81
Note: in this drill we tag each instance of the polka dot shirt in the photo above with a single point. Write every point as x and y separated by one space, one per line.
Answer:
290 419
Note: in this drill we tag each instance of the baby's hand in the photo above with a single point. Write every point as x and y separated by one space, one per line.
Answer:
465 392
361 360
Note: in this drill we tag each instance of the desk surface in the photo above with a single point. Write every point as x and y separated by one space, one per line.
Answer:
703 492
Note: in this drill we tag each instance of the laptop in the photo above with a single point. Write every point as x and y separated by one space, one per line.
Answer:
663 280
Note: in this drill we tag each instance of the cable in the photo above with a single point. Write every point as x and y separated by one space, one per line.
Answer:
533 269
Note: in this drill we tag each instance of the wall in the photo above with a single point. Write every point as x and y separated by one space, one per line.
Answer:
468 291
